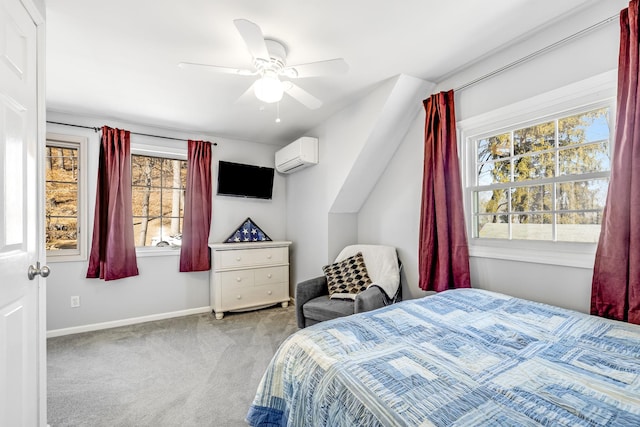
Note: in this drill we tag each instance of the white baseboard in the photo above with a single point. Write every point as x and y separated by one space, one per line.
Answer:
125 322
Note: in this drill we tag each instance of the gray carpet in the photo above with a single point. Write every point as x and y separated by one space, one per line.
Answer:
189 371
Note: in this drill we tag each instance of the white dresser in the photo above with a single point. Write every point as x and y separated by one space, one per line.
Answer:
247 276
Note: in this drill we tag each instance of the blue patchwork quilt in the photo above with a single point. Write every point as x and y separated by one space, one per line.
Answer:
463 357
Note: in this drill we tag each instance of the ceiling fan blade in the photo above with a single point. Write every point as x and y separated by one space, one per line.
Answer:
320 68
247 96
253 38
301 95
217 69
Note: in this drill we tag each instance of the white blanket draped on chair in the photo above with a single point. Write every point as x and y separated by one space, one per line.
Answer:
382 265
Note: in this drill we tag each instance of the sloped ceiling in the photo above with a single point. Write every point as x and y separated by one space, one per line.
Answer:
382 137
118 59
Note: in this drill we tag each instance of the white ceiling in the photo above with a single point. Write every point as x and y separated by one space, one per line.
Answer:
117 59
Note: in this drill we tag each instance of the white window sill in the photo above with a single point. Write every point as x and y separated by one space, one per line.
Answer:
141 252
150 251
65 258
580 255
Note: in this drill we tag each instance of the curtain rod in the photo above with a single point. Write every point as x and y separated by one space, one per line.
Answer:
538 52
134 133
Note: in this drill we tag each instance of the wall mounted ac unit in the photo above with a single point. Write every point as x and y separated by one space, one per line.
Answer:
300 154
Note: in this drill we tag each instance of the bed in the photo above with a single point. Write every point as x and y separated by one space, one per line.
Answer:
459 358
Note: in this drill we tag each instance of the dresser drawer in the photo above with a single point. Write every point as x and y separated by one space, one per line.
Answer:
238 298
236 279
272 293
270 275
251 257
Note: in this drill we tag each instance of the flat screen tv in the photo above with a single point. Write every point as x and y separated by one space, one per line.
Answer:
240 180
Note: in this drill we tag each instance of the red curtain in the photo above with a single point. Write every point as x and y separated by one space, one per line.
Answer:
443 254
113 252
194 253
615 291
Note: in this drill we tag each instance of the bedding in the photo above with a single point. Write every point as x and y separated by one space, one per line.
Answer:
458 358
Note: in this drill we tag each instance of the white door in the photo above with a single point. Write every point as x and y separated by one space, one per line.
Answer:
21 306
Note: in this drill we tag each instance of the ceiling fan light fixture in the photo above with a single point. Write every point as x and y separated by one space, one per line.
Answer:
269 88
270 64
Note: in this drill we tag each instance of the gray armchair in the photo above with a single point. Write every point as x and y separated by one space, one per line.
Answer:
313 304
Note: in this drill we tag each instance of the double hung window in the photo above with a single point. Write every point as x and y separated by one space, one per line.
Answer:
543 181
536 174
158 189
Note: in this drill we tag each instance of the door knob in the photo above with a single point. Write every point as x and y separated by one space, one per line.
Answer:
35 270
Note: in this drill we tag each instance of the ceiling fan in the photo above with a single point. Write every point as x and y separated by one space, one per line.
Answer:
270 64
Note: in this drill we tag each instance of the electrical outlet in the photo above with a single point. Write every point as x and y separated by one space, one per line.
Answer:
75 301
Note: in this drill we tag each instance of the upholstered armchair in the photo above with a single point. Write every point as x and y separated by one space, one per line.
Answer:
312 297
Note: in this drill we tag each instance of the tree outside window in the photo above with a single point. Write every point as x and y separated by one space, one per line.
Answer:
62 198
547 181
158 188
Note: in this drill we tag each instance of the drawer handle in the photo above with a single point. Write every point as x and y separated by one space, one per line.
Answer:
239 297
238 258
269 275
238 279
269 292
269 256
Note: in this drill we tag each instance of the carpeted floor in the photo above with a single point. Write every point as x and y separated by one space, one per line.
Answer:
189 371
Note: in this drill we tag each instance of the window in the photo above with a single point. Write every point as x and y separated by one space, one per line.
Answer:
158 188
65 220
536 174
543 181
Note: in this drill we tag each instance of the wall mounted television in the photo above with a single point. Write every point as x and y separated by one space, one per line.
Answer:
241 180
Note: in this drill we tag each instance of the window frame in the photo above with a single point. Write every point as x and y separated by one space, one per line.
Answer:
80 143
592 93
173 153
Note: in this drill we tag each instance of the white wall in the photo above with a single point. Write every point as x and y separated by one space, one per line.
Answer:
160 288
343 231
391 214
311 191
323 200
307 221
